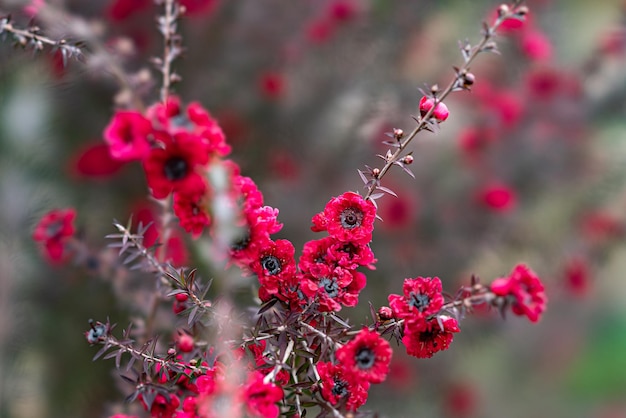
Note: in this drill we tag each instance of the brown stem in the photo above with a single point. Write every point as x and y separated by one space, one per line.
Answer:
440 96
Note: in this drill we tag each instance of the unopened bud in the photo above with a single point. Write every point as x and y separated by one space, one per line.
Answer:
408 159
434 89
468 79
398 133
385 313
376 172
503 10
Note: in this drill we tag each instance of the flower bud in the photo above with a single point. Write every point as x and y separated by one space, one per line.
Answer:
503 10
385 313
440 113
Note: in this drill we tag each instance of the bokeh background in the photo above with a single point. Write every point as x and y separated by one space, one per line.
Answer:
530 167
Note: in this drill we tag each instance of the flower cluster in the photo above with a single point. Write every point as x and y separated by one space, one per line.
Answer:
176 150
425 332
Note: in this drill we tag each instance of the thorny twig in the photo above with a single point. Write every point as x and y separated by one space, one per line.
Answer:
458 83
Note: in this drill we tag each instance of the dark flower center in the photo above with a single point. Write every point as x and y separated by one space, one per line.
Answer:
271 264
419 301
428 337
54 229
351 218
340 389
330 286
175 169
242 242
365 358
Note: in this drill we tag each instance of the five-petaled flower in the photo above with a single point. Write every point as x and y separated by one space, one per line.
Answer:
338 387
422 339
366 357
173 167
348 217
421 298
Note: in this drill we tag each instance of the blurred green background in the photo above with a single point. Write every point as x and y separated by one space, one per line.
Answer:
303 110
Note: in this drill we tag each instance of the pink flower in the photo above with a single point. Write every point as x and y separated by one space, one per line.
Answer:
524 290
54 229
261 397
440 113
536 45
366 357
127 136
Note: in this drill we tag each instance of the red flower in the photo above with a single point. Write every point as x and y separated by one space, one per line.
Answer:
498 197
577 276
173 168
261 397
273 263
422 339
348 217
127 136
337 387
255 232
350 255
524 290
122 9
421 298
208 129
197 7
334 287
342 10
197 121
191 212
272 85
366 357
441 112
95 161
54 229
163 406
320 31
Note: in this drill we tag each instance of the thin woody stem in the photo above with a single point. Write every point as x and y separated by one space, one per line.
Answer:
110 341
171 48
423 121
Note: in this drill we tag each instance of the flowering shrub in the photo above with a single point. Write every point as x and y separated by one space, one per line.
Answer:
286 349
